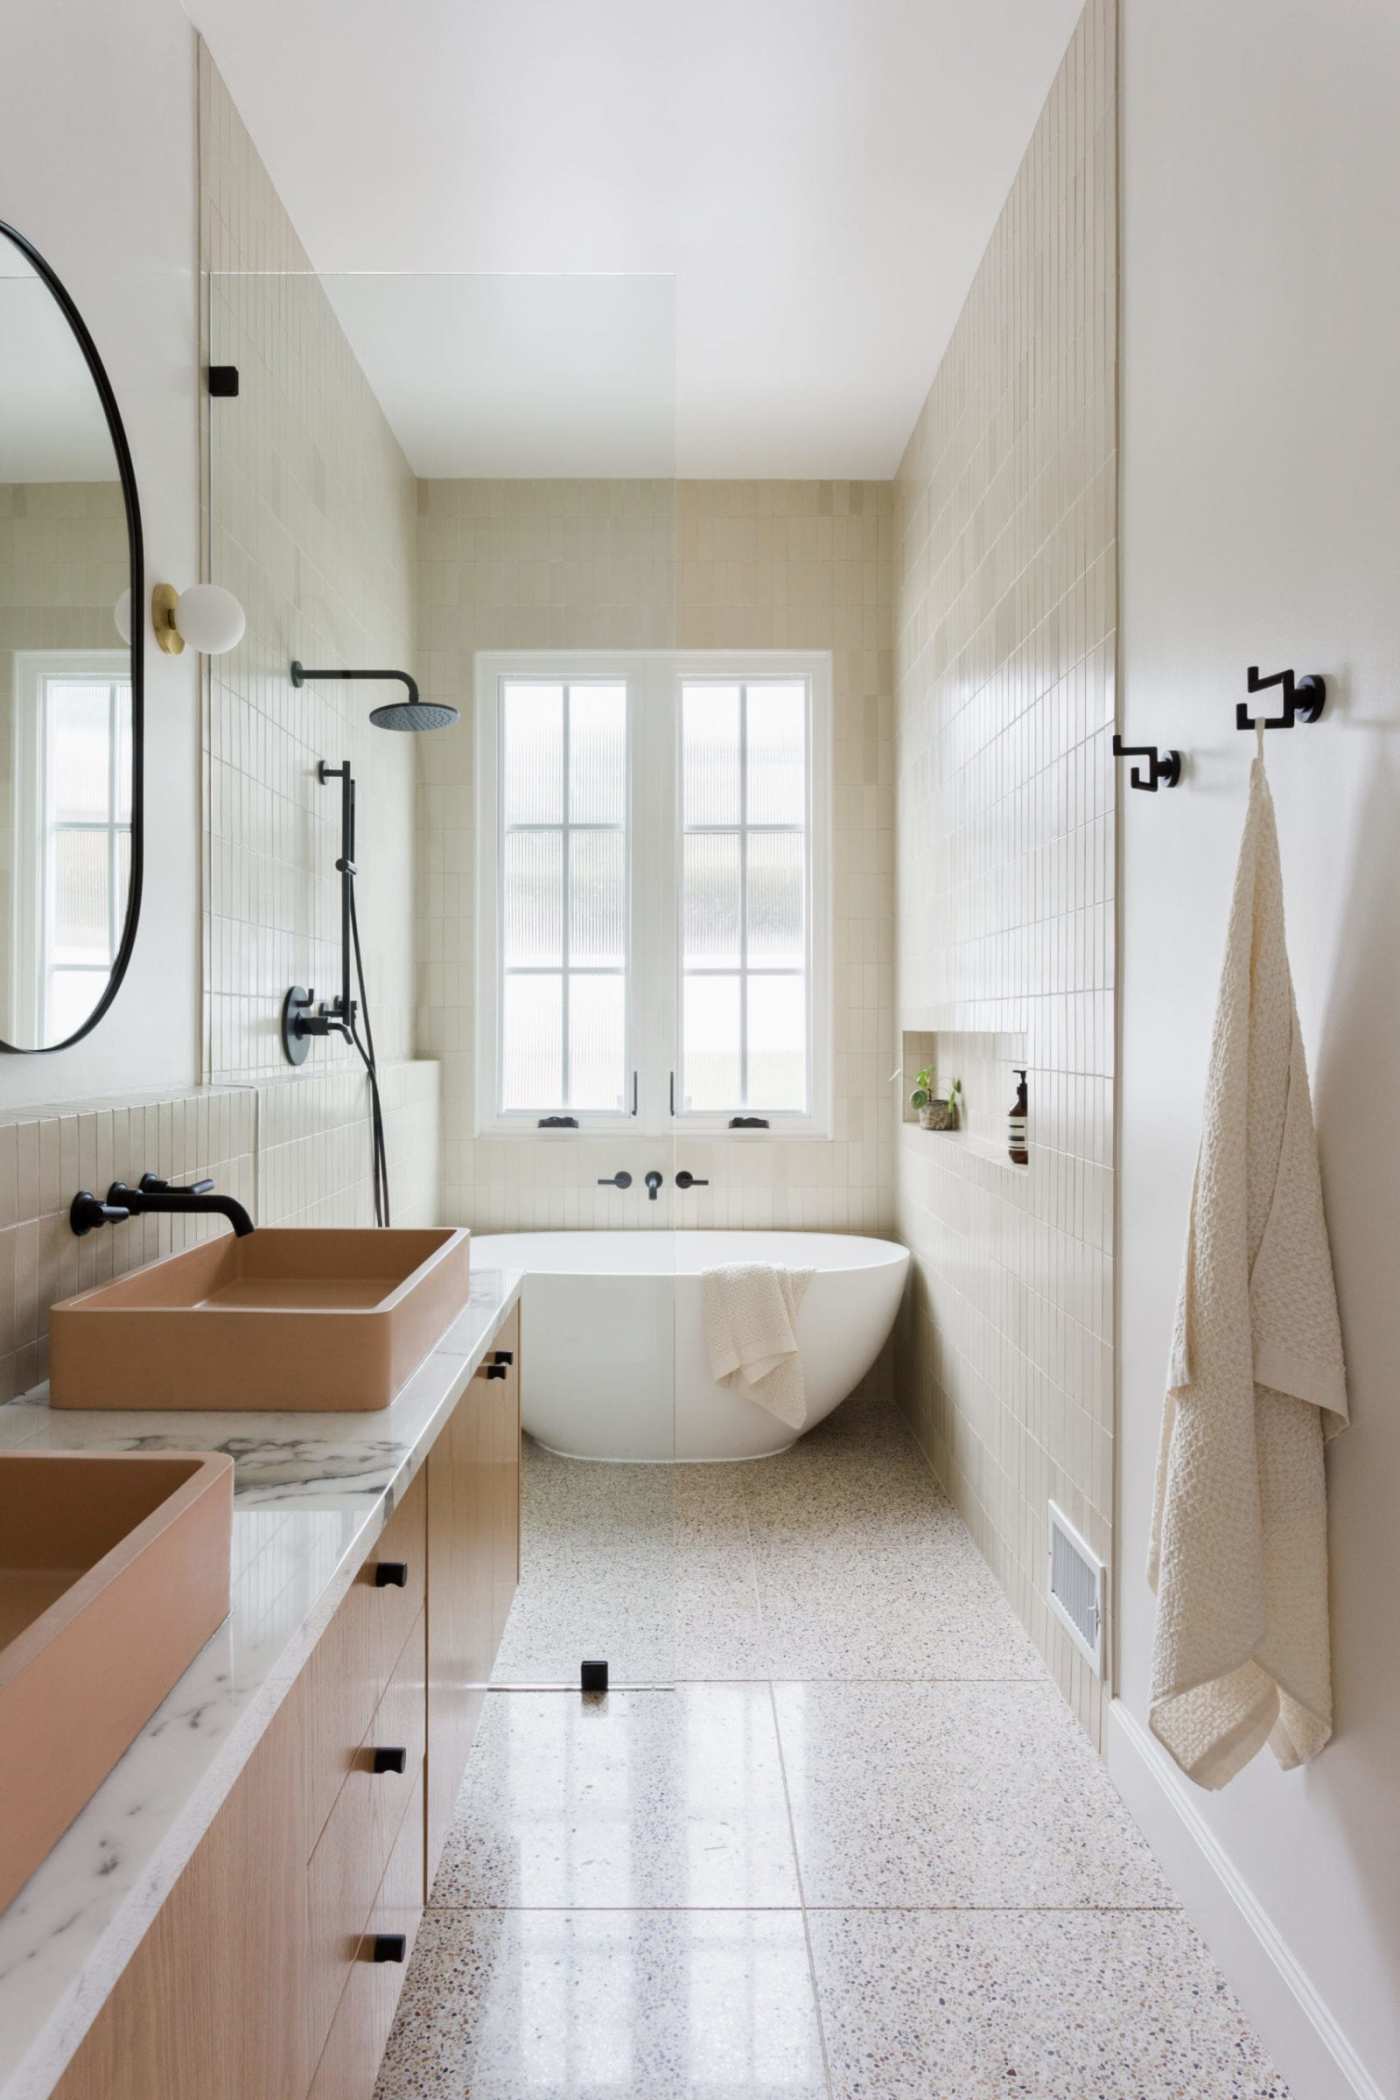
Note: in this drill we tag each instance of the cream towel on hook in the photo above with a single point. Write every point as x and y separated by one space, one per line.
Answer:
1238 1558
750 1330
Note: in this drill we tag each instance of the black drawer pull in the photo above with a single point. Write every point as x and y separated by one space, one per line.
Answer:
389 1758
505 1356
388 1946
391 1575
493 1371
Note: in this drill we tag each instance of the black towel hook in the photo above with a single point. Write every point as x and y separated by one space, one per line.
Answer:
1164 766
1303 700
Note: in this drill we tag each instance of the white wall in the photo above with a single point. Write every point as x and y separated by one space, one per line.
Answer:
97 168
1260 522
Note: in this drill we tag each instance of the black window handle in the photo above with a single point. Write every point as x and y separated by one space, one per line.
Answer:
389 1758
748 1122
691 1181
557 1123
621 1180
391 1575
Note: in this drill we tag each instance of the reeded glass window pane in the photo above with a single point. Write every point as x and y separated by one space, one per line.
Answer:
78 729
533 916
776 899
597 754
79 901
597 899
777 1042
532 1043
597 1041
532 726
777 753
711 1045
710 753
710 897
124 759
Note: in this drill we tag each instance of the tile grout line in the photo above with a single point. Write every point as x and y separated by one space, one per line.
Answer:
801 1895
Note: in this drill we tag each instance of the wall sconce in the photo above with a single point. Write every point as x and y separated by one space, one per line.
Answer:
206 616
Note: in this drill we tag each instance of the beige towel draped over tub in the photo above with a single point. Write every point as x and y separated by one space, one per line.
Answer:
1256 1382
751 1313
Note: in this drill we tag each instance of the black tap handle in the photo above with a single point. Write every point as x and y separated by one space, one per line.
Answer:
86 1213
686 1180
622 1180
152 1185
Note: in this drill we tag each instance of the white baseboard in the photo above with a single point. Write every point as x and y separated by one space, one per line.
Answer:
1289 2017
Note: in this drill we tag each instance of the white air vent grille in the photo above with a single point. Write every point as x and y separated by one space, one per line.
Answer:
1076 1585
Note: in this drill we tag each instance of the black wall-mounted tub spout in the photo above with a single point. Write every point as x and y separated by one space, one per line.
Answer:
152 1195
653 1186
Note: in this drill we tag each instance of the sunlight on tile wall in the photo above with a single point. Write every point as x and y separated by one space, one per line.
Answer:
1005 623
313 525
557 564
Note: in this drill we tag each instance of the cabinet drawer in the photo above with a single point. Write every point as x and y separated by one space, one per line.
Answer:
355 1656
353 1850
350 2062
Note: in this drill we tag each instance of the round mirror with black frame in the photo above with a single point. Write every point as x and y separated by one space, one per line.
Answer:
71 682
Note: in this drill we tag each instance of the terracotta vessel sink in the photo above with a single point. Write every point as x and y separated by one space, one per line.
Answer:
280 1319
114 1572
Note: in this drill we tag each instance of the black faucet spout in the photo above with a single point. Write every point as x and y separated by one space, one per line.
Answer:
653 1181
158 1197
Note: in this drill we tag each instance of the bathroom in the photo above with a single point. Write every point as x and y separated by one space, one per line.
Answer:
786 477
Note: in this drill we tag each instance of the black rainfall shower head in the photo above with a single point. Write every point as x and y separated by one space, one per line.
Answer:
412 714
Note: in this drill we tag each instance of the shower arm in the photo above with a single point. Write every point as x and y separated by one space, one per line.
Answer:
300 674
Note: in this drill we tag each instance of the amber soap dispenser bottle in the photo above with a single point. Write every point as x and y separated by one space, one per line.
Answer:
1016 1123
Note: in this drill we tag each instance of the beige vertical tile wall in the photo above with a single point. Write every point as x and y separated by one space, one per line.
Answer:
47 1155
723 565
1005 621
312 515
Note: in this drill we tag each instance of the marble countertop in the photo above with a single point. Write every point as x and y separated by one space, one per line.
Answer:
312 1492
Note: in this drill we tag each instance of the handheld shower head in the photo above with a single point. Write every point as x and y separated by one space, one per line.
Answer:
411 714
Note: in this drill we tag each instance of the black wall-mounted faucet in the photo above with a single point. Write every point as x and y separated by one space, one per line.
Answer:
620 1180
653 1185
154 1196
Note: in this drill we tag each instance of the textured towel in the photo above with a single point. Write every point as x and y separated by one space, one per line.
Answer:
1256 1381
750 1322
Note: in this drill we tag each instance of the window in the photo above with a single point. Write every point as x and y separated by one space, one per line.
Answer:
653 840
72 822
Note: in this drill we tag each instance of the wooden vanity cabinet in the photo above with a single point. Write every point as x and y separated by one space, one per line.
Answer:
473 1567
257 1980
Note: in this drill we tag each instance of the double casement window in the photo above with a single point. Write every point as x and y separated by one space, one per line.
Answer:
653 847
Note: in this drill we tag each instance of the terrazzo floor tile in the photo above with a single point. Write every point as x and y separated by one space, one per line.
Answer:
1030 2005
923 1616
606 2005
657 1799
955 1795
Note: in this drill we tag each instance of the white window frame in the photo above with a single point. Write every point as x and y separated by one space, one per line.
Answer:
654 678
30 830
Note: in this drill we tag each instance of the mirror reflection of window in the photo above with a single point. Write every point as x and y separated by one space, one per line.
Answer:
72 825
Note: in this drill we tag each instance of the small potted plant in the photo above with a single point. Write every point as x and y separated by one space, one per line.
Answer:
934 1114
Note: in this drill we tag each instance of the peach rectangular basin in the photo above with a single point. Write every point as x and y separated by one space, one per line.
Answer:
114 1572
294 1318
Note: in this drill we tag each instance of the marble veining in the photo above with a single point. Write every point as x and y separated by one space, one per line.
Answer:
311 1495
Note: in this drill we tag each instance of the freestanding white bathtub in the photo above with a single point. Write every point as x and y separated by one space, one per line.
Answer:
614 1364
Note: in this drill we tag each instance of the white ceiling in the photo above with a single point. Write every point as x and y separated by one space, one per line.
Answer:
818 177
